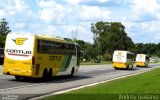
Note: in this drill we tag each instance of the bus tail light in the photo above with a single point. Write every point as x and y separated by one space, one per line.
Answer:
33 60
3 59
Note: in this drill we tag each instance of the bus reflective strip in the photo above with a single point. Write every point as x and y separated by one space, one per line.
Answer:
18 54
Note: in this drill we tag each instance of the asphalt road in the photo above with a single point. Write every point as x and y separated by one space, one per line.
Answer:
11 88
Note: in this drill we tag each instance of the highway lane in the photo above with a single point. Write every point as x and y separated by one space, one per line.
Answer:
87 75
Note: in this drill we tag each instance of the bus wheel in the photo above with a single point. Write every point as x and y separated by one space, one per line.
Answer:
127 66
50 73
45 74
115 68
131 67
18 77
72 72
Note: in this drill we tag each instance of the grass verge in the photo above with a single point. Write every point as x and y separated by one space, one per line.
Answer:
146 85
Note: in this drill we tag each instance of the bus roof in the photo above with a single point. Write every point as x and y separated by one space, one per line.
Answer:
44 37
51 38
142 54
123 51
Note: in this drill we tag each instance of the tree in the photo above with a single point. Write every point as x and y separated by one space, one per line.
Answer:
4 30
88 49
110 36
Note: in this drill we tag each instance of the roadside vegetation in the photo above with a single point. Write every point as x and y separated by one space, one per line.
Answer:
146 83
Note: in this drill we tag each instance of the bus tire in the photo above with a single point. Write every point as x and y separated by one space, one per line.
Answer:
18 77
45 74
115 68
131 67
127 66
50 73
72 72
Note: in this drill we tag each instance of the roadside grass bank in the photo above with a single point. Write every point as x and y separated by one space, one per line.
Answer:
142 86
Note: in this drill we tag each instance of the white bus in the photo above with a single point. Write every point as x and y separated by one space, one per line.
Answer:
142 60
39 56
123 59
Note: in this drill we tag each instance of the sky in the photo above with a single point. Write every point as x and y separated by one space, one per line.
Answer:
73 18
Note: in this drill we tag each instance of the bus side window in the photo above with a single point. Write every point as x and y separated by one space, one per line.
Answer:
147 58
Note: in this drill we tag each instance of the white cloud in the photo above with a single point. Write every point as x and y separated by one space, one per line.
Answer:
143 20
103 1
2 13
50 11
47 15
19 25
149 6
152 26
46 4
17 8
157 37
51 30
74 2
93 13
20 5
146 8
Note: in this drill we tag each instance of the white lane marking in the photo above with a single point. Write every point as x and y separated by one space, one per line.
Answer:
22 86
86 70
92 70
101 69
80 87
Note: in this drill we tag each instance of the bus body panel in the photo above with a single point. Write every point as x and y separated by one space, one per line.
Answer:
122 59
60 64
142 60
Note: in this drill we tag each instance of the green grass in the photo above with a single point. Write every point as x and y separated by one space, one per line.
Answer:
146 83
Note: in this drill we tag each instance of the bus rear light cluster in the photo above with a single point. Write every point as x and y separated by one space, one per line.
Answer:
33 60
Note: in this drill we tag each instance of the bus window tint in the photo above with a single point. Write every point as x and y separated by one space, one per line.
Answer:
130 56
50 47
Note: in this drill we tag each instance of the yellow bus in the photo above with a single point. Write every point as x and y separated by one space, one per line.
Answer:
123 59
142 60
39 56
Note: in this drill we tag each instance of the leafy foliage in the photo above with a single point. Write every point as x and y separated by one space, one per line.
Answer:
110 36
4 30
89 51
151 49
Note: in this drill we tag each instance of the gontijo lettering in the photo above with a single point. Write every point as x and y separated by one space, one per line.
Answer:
19 41
18 51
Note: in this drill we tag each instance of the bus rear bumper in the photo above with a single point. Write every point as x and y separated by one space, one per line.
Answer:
141 64
119 65
17 72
